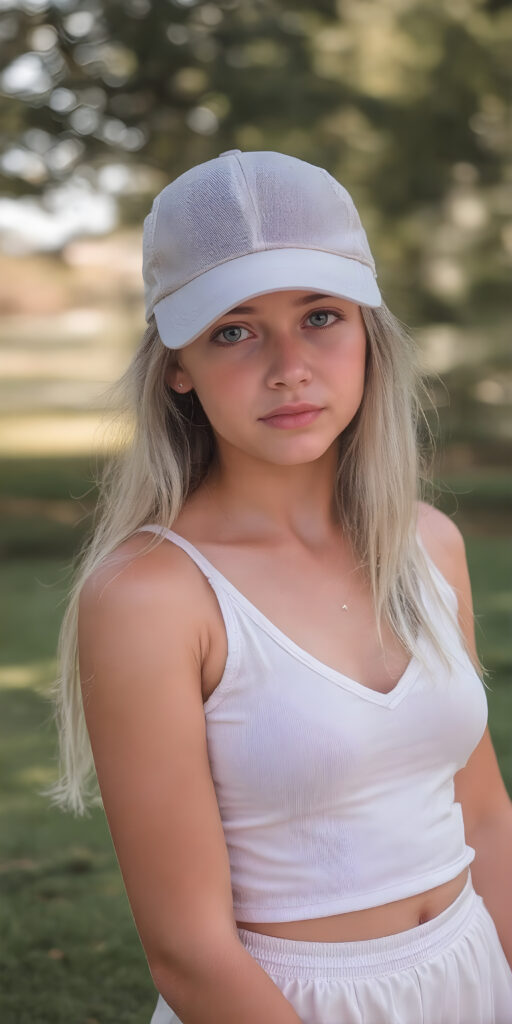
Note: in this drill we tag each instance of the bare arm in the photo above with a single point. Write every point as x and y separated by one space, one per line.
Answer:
490 836
141 646
228 988
479 785
481 791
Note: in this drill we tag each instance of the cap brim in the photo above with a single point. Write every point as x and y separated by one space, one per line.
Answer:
183 315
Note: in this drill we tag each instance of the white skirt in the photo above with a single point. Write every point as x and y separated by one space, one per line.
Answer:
450 970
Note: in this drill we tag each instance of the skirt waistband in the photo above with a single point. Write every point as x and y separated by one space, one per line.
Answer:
366 957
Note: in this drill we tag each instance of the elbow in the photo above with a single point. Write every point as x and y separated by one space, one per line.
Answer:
167 983
205 957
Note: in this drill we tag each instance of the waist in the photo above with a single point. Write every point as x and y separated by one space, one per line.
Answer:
371 923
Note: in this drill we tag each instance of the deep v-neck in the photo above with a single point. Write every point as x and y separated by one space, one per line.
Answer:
390 699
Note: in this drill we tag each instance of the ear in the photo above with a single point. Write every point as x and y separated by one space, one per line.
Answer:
171 373
175 375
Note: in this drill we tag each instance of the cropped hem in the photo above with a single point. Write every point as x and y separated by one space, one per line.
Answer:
365 957
346 904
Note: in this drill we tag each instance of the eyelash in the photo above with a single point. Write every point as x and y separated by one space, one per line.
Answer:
227 327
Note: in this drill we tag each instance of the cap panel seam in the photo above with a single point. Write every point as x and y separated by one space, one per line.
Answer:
253 202
154 250
332 184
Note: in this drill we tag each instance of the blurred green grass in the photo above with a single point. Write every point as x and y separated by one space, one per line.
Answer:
71 953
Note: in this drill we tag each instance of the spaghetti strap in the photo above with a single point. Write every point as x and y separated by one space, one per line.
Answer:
233 636
201 561
445 586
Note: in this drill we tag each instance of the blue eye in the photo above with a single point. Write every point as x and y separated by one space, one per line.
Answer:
323 312
226 331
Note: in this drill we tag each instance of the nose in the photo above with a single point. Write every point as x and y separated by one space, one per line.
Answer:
288 363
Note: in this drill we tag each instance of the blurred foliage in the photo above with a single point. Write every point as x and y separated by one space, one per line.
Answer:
405 101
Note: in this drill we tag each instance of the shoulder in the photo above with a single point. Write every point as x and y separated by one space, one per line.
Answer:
137 566
442 539
445 545
137 587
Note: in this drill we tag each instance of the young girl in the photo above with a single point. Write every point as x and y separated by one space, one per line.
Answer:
274 673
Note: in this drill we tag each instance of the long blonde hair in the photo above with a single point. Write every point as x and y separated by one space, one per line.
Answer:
167 449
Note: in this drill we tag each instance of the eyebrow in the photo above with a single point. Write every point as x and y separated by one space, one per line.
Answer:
312 297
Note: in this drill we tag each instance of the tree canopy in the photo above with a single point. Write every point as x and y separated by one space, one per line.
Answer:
406 102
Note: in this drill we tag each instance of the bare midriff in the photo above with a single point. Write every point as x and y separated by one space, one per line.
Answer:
372 923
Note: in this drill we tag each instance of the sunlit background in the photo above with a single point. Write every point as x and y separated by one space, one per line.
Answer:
102 102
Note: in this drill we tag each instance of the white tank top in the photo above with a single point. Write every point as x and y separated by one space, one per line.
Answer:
334 797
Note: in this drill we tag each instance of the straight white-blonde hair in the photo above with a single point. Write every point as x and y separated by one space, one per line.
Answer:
165 447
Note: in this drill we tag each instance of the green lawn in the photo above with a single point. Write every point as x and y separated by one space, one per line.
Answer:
72 954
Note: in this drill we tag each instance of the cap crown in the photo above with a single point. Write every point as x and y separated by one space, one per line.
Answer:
240 203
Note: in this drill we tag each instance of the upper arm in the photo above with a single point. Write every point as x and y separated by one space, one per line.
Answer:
140 669
479 786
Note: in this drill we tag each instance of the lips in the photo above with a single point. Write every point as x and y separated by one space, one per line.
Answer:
292 410
292 420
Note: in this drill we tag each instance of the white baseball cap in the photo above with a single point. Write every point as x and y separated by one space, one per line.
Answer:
241 225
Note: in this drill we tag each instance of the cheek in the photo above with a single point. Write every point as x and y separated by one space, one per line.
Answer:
225 392
348 364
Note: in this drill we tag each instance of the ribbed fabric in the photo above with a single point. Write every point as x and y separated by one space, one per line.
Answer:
450 970
334 797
